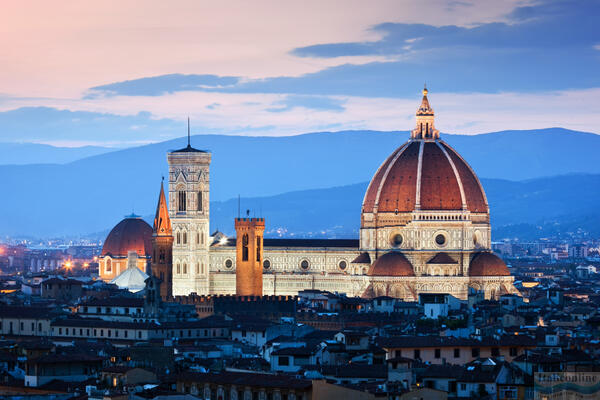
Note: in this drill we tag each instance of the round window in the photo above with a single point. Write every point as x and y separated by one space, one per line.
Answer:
304 264
343 265
266 264
397 239
440 239
228 263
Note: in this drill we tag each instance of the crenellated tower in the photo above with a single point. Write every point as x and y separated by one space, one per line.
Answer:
249 256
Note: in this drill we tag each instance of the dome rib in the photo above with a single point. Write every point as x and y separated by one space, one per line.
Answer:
439 185
474 194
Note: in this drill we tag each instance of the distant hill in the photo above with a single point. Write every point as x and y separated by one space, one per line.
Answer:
527 209
93 193
34 153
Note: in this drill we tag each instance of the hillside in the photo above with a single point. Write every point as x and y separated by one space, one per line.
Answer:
91 194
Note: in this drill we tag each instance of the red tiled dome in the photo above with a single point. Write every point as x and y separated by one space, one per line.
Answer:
487 264
132 233
442 172
391 264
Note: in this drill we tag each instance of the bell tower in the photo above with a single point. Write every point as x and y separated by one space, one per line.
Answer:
249 256
162 247
189 213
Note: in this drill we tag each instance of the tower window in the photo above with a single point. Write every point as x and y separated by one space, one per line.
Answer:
109 265
258 240
185 268
199 201
184 237
197 268
245 247
178 237
181 201
197 238
161 256
178 268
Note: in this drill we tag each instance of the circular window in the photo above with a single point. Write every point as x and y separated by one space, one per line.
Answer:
343 264
304 264
397 239
440 240
228 263
266 264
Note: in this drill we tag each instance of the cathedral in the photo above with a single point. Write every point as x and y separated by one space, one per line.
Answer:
424 228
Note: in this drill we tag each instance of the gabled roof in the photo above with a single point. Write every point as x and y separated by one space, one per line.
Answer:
442 258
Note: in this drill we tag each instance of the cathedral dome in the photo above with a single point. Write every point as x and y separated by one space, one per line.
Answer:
393 263
132 233
425 173
486 263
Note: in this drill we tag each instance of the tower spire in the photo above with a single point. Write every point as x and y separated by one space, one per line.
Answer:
189 144
162 222
425 128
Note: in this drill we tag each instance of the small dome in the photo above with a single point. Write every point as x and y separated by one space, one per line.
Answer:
393 263
132 233
487 264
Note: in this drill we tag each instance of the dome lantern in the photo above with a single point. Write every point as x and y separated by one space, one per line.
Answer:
425 128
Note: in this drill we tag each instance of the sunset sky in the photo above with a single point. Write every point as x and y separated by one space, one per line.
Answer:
119 73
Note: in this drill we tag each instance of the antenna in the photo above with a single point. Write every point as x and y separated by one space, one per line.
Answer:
189 132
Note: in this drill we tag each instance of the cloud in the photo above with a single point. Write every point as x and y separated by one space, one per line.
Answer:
159 85
546 46
550 24
466 113
308 102
51 125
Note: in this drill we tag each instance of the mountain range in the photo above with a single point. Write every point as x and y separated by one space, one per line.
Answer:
92 193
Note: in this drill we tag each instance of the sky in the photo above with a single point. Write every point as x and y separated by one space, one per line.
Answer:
121 73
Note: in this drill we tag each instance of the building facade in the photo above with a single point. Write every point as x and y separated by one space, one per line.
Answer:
425 228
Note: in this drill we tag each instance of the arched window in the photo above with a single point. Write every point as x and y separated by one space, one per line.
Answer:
184 237
184 268
161 256
258 239
245 247
201 237
197 238
181 201
109 265
178 237
178 268
199 201
202 271
197 268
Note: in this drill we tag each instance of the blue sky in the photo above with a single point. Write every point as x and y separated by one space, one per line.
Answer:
269 68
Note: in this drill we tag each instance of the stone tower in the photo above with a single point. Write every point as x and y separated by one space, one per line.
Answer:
162 247
189 212
249 256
